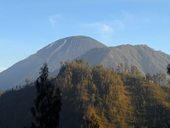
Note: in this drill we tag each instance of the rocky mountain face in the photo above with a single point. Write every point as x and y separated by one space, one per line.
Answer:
147 60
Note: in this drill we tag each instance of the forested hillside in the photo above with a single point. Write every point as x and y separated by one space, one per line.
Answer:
95 97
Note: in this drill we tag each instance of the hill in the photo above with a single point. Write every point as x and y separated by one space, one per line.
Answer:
94 94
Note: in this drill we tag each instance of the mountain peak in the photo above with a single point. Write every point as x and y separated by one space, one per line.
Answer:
88 49
62 50
76 39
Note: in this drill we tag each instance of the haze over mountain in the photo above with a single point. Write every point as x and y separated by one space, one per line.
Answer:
88 49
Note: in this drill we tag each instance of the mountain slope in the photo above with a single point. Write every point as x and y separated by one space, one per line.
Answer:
62 50
147 60
144 58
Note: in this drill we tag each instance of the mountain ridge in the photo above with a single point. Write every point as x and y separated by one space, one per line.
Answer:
146 59
59 51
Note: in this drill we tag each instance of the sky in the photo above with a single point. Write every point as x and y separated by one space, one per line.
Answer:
28 25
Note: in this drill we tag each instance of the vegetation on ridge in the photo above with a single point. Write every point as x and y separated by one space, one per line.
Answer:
97 97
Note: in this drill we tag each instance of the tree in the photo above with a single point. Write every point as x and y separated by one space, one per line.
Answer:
168 69
135 71
148 77
47 104
91 122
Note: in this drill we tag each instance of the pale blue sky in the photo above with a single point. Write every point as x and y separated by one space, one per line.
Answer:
28 25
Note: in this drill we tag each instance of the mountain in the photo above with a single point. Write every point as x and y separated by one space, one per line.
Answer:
146 59
59 51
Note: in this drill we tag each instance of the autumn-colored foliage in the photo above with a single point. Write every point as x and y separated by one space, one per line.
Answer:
100 97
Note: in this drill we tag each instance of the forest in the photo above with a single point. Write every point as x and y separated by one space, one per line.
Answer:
86 96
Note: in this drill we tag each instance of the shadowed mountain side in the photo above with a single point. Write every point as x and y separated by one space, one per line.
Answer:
15 108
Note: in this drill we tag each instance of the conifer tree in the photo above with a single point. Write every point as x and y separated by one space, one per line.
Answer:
168 69
47 103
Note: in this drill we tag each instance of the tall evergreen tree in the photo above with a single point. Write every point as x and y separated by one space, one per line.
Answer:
168 69
47 103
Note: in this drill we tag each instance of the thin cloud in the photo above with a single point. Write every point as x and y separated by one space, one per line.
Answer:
129 19
54 20
109 29
98 27
106 28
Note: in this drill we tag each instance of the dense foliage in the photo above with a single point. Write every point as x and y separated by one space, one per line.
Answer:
94 93
96 97
111 99
47 104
